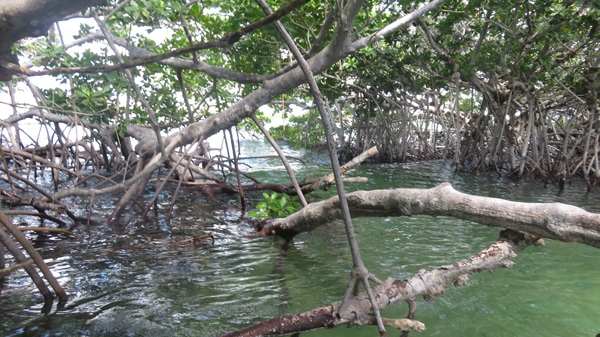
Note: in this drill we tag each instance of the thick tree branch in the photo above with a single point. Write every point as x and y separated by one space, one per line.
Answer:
549 220
24 18
394 26
276 86
223 42
30 18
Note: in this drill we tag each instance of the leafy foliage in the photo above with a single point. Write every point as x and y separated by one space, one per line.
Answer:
274 206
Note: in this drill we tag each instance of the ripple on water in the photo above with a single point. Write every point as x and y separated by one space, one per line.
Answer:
132 279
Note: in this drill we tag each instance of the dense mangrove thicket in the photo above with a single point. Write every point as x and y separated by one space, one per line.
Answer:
140 87
510 87
497 86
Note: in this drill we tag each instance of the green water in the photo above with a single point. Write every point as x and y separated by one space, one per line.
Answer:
131 280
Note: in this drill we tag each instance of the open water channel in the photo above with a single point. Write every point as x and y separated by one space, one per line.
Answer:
131 279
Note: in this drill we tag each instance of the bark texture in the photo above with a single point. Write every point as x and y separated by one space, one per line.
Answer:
31 18
549 220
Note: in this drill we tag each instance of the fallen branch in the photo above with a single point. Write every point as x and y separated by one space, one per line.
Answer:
13 200
328 180
427 283
307 186
549 220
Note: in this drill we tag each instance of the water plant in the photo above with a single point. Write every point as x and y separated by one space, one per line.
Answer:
274 206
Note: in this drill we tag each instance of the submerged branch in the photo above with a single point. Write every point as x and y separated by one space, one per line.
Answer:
427 283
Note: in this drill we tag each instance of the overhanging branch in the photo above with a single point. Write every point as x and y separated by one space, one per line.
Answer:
223 42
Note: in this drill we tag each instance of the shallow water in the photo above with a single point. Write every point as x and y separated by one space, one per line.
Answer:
132 279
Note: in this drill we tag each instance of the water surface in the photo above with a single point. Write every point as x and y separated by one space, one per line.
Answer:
132 279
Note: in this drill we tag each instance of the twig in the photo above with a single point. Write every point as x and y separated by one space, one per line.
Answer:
10 269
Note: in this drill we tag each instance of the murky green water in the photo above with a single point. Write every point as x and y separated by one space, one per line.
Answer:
132 280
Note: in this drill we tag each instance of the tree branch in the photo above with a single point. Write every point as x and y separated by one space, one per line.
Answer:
427 283
549 220
225 41
394 26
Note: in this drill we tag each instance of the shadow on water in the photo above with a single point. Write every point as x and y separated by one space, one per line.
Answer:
132 279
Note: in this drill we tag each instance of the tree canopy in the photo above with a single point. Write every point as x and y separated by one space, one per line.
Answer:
506 86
